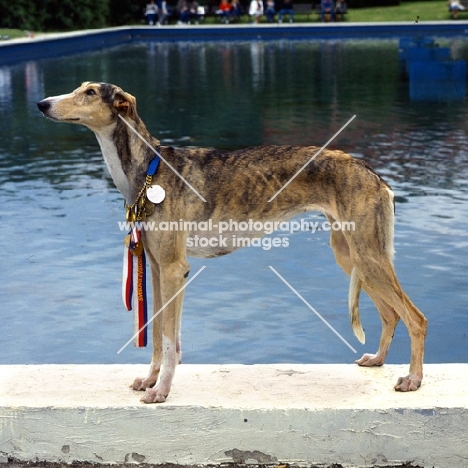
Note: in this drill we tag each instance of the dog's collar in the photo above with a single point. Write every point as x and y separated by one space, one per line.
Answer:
153 166
142 207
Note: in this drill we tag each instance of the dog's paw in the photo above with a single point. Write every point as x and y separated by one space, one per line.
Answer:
143 384
154 395
410 383
369 360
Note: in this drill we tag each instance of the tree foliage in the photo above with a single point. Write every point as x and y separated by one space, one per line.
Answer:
61 15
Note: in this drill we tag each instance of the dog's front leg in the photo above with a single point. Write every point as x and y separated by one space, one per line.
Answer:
167 329
152 377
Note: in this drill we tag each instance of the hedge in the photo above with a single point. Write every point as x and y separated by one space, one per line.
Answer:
60 15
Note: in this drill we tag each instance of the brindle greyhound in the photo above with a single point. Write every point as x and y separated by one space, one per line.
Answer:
238 186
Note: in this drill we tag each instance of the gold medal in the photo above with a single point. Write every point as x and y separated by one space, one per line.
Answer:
137 249
127 240
149 208
130 215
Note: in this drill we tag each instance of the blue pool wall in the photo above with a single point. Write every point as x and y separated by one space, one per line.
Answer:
70 43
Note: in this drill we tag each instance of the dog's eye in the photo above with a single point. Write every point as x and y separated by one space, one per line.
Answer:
90 92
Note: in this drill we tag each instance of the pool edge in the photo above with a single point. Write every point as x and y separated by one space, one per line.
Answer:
55 45
217 414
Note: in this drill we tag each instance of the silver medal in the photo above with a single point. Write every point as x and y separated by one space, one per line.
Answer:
155 194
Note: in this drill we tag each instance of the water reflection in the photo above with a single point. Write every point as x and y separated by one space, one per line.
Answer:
34 83
433 74
5 86
60 280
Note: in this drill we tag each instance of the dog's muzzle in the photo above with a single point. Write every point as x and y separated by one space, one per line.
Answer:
44 106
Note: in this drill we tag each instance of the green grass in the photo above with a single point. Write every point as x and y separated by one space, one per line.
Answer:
11 34
406 11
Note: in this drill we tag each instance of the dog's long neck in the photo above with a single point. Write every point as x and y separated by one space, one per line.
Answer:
127 156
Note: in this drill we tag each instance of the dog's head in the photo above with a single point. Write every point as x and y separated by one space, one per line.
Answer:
95 105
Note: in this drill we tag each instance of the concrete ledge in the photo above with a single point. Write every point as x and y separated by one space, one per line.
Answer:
264 414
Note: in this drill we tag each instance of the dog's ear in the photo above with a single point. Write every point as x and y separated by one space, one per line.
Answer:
125 104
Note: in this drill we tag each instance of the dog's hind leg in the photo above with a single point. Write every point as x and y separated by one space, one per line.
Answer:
370 252
388 316
380 280
389 322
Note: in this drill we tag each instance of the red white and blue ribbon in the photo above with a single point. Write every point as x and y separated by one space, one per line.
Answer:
134 272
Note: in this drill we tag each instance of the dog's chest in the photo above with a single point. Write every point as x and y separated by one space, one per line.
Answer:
114 164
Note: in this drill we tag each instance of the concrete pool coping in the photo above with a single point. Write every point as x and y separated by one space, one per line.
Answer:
217 414
53 45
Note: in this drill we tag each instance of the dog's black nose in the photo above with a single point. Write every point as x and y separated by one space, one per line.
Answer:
43 105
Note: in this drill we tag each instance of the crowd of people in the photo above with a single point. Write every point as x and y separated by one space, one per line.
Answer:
269 9
157 11
330 10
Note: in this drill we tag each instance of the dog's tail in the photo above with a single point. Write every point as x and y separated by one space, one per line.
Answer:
355 286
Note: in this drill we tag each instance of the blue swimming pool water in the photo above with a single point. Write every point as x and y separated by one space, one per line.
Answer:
59 210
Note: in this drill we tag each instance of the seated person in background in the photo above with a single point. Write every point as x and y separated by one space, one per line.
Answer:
270 10
454 7
286 9
256 10
151 12
327 9
236 9
193 7
183 11
163 13
340 9
224 11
